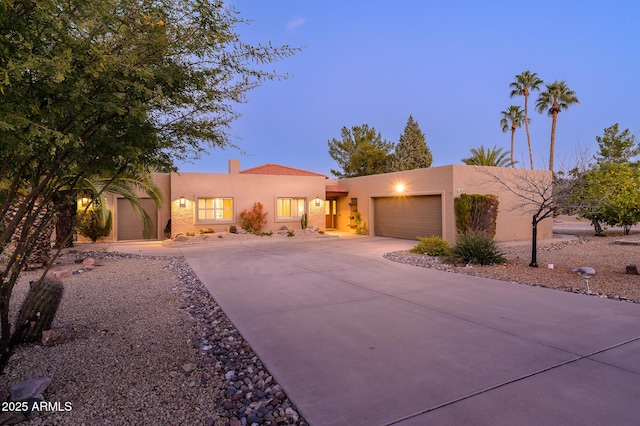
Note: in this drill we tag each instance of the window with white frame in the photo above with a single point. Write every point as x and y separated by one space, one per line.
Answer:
211 209
291 208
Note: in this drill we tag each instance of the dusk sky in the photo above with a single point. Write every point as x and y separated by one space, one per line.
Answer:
449 64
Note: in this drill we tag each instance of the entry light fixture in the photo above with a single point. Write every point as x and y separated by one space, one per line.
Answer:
399 188
84 201
183 202
317 201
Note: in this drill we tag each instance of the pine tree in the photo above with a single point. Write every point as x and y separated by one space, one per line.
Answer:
412 151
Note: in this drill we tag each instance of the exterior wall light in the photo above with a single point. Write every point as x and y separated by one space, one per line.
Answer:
400 188
317 201
84 201
183 202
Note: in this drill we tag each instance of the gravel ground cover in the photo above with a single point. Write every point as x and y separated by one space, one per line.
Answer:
606 255
145 344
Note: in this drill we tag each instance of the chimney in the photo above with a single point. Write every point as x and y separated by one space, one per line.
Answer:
234 166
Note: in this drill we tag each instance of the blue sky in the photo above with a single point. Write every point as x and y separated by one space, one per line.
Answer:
449 64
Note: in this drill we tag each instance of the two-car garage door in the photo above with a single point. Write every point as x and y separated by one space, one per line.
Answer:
408 217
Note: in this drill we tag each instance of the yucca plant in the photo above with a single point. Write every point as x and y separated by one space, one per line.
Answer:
476 249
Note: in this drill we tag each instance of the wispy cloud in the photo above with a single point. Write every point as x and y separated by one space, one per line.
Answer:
294 24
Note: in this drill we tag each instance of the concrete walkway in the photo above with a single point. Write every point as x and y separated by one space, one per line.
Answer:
355 339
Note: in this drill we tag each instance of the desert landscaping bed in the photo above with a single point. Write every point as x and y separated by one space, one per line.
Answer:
144 342
609 256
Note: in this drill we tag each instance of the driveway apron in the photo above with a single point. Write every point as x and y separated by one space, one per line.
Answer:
355 339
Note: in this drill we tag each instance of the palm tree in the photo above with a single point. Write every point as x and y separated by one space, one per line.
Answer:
490 157
524 84
556 98
94 187
512 118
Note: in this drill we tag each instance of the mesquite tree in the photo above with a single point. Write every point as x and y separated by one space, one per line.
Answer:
107 87
540 193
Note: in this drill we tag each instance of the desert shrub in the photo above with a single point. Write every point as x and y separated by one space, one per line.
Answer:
253 220
233 229
93 225
290 232
361 226
432 246
476 214
476 249
207 231
190 234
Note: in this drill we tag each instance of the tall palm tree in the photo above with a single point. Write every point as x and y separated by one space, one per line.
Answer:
488 157
512 118
524 84
556 98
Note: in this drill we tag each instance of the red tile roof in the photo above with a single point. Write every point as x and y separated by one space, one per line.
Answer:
336 189
276 169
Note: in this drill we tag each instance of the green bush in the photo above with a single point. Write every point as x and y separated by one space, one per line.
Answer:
93 225
432 246
476 249
476 213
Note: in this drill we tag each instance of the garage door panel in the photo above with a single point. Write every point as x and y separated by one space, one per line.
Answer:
130 223
408 217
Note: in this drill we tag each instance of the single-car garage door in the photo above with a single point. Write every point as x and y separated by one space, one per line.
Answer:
408 217
130 224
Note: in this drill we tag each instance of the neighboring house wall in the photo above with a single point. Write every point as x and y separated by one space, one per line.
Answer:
243 190
446 182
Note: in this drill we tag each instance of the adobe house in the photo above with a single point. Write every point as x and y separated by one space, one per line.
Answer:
403 204
420 202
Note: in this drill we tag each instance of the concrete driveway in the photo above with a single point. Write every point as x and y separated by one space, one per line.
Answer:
355 339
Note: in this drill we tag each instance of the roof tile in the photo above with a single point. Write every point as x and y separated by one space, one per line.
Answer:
276 169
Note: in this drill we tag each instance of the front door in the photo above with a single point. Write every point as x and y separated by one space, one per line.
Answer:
331 212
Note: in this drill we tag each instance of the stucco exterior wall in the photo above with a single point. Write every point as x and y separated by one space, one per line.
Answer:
514 220
162 180
245 190
448 182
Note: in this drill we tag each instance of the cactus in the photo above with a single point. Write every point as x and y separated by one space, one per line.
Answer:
303 221
38 310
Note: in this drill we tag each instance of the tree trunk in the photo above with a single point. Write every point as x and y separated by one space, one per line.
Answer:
526 126
534 242
513 134
552 145
65 206
597 227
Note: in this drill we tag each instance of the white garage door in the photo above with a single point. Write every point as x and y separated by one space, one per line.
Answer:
130 224
408 217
